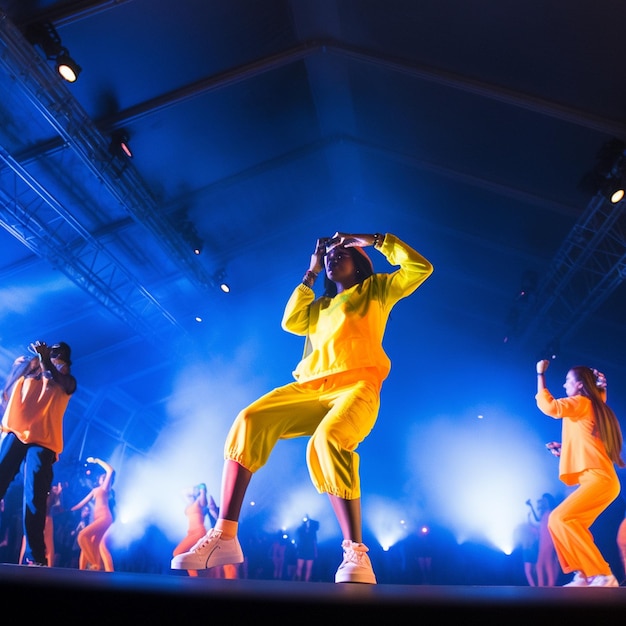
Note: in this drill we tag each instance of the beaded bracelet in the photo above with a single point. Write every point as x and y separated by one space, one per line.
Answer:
309 278
378 240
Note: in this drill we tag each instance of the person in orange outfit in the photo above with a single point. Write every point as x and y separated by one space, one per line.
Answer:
196 512
94 553
591 444
335 397
201 506
36 393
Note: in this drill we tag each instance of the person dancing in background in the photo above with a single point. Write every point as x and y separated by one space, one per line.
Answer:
83 521
36 393
306 548
591 444
527 535
106 558
547 564
199 507
94 552
196 512
334 400
278 551
53 508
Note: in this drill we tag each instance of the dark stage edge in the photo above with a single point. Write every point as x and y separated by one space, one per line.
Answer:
73 596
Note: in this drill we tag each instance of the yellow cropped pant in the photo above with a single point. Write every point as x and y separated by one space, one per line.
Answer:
570 521
336 412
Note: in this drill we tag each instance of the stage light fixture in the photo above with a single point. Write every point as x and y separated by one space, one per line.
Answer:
611 171
46 37
197 245
220 280
119 145
67 67
615 190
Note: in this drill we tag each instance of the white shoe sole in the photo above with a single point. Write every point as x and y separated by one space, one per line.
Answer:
355 577
195 562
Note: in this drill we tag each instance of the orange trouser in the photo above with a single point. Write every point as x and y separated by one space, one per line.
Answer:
570 521
336 412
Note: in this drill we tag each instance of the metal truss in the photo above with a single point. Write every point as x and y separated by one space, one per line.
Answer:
47 227
44 226
586 270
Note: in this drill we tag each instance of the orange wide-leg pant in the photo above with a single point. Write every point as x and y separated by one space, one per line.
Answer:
570 521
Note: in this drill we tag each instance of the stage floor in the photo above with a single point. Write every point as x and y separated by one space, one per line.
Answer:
71 595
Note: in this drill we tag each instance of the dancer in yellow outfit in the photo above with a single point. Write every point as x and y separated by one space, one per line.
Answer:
590 448
334 400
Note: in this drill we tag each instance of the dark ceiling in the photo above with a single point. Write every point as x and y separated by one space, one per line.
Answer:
475 131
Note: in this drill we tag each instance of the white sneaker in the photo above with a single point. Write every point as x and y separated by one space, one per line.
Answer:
356 566
578 581
209 552
603 581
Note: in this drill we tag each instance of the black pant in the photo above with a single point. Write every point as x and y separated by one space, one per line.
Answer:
38 462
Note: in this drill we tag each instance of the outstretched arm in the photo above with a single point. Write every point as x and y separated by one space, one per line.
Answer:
83 502
414 267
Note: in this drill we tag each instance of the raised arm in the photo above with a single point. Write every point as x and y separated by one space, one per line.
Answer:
542 366
532 510
202 497
601 383
61 376
108 471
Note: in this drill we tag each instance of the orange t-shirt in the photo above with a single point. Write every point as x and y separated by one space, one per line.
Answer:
35 412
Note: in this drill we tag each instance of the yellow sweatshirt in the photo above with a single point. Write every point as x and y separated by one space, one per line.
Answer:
346 332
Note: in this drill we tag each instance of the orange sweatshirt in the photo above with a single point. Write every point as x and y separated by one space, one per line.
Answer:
581 448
